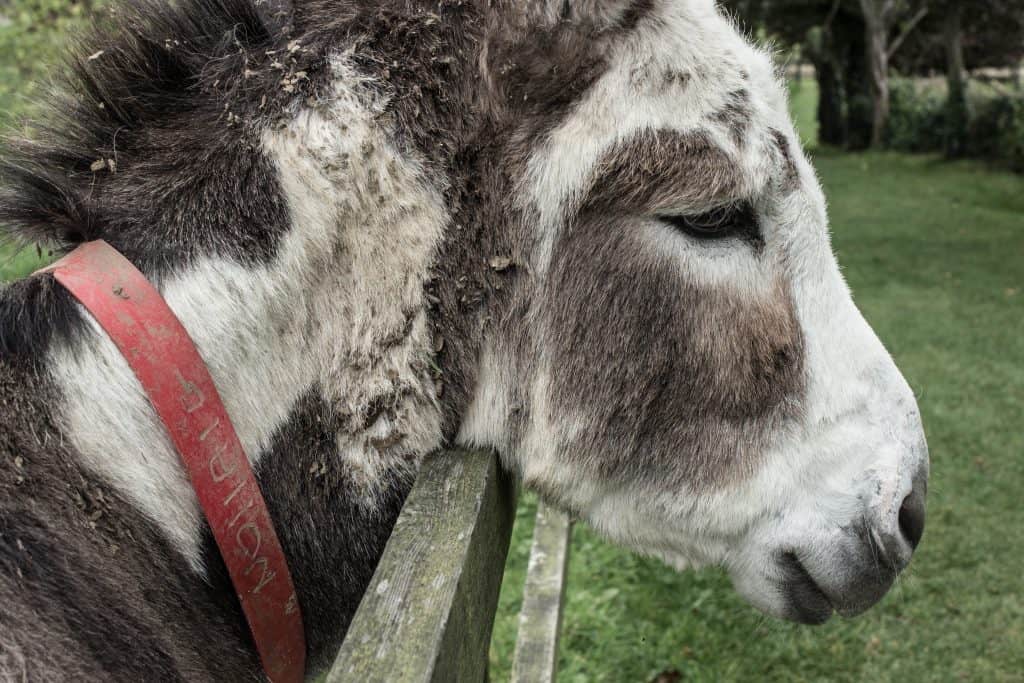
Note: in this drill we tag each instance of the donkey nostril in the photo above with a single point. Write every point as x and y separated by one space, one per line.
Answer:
912 518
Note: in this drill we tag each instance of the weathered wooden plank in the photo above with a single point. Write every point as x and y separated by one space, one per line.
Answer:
540 620
428 612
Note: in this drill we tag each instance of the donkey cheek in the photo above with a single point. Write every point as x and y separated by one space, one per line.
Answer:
694 375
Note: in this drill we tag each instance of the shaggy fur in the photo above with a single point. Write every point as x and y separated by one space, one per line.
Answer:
189 109
391 225
86 579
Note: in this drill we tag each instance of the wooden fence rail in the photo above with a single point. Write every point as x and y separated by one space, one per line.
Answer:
428 612
540 620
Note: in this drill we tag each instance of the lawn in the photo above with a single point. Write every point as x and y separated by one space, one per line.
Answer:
935 255
15 263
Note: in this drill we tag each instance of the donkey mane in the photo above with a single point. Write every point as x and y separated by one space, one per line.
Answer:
176 91
154 88
147 141
150 139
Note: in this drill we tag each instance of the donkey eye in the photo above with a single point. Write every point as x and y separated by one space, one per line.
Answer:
736 220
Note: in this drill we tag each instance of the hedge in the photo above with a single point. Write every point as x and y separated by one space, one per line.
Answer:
919 121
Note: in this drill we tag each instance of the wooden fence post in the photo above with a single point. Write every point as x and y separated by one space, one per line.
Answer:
428 612
540 620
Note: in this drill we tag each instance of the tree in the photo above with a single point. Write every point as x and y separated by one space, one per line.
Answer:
853 45
877 22
992 35
881 17
829 35
956 76
957 38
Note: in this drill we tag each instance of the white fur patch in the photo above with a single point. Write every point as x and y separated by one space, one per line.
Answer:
689 39
341 306
860 443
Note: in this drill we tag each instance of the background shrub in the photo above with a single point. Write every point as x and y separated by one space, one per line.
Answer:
996 129
918 119
995 114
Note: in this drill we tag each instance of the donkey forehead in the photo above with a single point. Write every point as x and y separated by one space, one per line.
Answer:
685 73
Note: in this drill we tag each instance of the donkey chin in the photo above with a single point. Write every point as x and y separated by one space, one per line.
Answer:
802 556
799 543
840 557
824 524
851 526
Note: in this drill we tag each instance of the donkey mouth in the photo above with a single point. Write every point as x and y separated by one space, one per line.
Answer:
806 602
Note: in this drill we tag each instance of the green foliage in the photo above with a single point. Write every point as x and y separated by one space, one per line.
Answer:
803 96
996 130
917 122
16 263
920 122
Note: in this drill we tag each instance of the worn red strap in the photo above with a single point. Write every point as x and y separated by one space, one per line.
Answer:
178 383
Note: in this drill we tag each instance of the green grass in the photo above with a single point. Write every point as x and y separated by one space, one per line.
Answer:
934 253
16 263
803 97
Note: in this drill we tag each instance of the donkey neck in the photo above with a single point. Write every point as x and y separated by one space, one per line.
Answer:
339 309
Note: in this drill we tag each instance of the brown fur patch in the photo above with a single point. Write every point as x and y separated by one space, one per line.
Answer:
791 174
736 116
91 589
676 382
533 75
660 170
635 13
332 539
86 579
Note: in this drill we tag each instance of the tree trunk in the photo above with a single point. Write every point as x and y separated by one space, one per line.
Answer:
856 77
831 123
876 22
821 49
956 75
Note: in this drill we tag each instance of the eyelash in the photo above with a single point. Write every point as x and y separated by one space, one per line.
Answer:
734 220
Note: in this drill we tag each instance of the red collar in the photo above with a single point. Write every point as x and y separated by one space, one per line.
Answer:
178 384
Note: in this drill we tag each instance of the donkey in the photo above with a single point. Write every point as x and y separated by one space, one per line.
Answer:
580 232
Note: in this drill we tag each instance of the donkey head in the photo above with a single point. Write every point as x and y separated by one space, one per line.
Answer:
680 362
